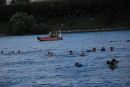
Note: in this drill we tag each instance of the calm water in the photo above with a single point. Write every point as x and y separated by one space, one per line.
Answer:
32 68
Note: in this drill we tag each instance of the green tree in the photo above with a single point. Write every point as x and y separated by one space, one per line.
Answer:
42 28
21 23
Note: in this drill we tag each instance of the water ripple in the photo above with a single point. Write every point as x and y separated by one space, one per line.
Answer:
32 68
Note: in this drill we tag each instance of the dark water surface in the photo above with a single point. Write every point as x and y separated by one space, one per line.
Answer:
32 68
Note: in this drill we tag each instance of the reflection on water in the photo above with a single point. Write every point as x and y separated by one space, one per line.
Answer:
32 68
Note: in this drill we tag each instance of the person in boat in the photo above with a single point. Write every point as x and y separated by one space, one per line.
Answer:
54 35
49 54
111 48
94 49
2 52
103 49
77 64
83 54
71 52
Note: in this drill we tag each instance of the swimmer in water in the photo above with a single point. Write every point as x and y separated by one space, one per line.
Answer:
71 52
18 51
103 49
83 54
94 49
77 64
49 54
111 48
2 52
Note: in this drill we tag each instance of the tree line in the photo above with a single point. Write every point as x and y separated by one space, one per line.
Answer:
27 18
64 8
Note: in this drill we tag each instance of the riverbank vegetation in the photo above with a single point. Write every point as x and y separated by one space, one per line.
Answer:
71 14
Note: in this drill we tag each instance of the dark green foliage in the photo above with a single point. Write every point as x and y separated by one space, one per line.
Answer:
40 29
21 23
43 28
66 8
73 22
44 10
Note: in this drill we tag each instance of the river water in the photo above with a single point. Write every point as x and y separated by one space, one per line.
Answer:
32 68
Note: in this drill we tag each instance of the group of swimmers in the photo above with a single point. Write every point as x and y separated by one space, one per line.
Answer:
77 64
102 49
71 52
12 52
83 54
112 64
93 50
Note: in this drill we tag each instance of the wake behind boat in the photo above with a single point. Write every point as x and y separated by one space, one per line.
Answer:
52 36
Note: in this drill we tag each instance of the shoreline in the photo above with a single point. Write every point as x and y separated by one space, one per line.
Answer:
90 30
1 35
76 31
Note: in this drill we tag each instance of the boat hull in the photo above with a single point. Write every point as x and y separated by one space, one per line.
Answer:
49 38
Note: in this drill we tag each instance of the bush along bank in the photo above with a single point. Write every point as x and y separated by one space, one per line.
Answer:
69 24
